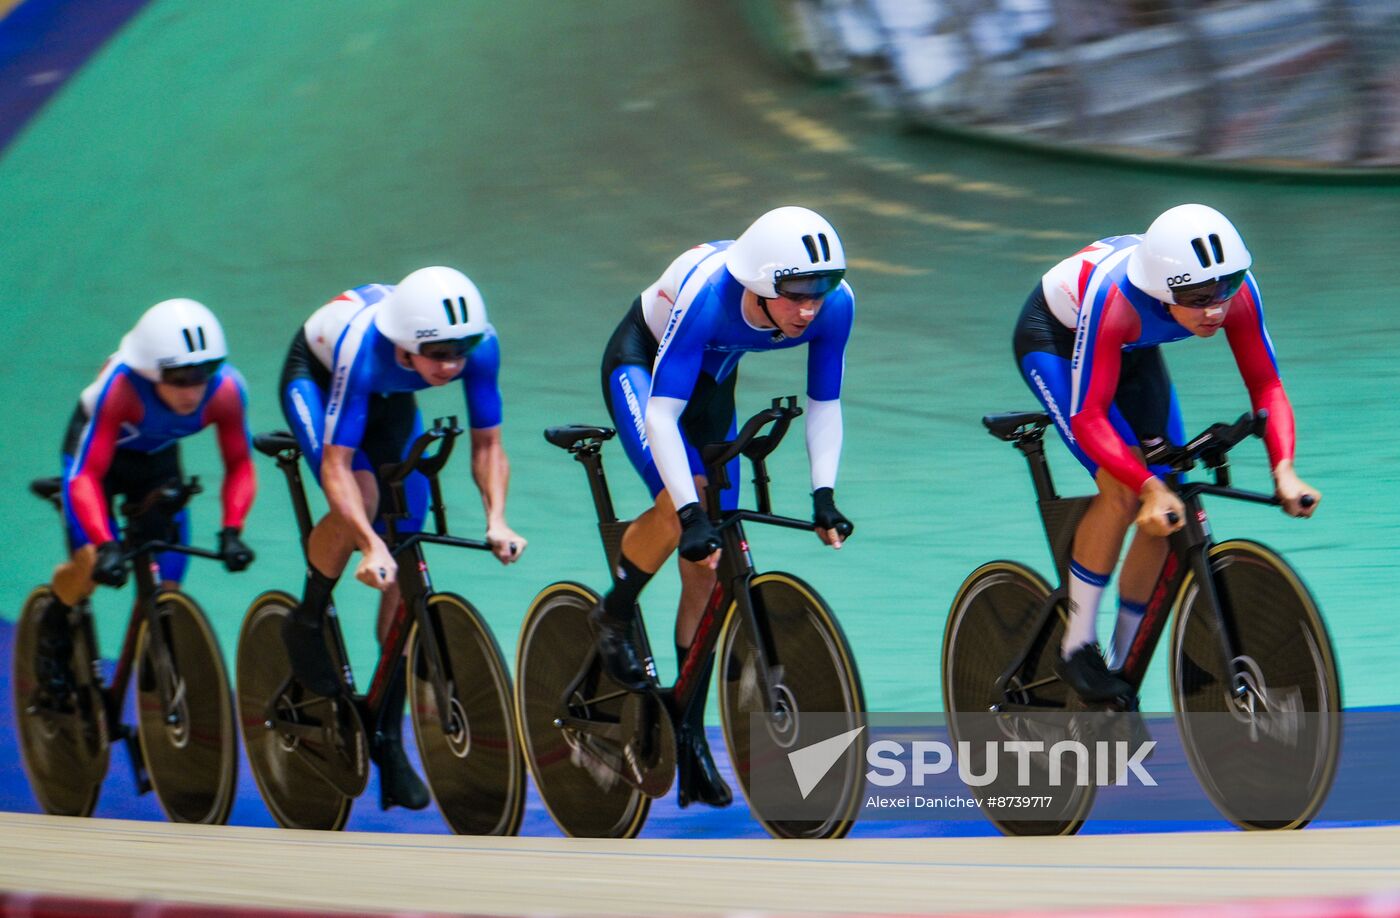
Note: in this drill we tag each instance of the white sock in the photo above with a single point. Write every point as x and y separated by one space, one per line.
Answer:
1129 618
1085 588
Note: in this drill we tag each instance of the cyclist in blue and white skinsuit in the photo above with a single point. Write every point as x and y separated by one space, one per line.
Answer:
668 379
347 392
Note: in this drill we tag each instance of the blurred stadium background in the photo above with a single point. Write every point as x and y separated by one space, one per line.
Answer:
1296 83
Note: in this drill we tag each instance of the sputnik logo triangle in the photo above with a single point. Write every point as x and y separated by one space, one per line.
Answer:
811 763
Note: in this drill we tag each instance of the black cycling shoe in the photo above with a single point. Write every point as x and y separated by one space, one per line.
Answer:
697 777
618 651
1087 674
399 784
309 656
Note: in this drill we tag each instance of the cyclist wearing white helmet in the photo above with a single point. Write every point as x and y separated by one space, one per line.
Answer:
348 387
168 380
1087 344
668 379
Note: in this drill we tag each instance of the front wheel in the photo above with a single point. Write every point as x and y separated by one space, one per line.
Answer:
993 620
558 677
473 765
1264 734
63 737
811 670
185 713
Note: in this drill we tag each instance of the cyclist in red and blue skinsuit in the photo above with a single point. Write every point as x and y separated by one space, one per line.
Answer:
1088 345
166 382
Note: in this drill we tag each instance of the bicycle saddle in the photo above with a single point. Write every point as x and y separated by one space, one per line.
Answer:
566 436
1010 425
270 444
47 488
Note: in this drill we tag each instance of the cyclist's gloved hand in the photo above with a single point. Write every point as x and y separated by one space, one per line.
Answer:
826 516
235 555
699 538
110 568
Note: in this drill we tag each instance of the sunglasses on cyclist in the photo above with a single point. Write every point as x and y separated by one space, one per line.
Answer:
1210 293
451 349
803 287
191 376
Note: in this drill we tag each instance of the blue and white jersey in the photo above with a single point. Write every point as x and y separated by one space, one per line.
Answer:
695 311
362 362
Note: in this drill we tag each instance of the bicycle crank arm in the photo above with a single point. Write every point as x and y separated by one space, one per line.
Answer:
613 732
138 761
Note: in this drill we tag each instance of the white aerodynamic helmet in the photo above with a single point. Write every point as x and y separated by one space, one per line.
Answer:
433 305
177 341
1190 255
790 250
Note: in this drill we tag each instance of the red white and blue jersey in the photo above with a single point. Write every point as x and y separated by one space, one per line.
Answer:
363 362
695 312
124 412
1090 292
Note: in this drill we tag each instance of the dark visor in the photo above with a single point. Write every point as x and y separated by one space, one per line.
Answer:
1198 296
451 349
808 286
187 377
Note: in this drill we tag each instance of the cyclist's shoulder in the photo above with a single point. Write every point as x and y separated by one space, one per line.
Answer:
697 268
115 385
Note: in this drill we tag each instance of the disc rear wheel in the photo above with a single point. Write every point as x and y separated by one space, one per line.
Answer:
575 772
62 729
991 621
309 778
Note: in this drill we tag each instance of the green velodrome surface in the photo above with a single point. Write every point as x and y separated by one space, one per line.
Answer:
262 156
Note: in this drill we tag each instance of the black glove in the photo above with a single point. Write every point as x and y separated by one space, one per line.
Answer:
699 538
235 555
826 516
110 567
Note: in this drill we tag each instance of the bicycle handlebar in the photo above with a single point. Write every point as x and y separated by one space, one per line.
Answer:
444 429
717 455
1210 446
169 498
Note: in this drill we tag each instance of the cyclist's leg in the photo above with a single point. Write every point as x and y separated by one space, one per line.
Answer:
1149 404
390 429
304 384
1043 349
393 424
709 418
651 537
648 540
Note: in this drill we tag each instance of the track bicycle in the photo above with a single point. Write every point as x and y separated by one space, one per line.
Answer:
1254 679
600 753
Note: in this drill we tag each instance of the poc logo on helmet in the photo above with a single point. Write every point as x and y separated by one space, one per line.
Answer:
1178 280
784 272
426 333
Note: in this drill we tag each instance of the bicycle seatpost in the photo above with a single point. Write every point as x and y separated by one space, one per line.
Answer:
284 448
